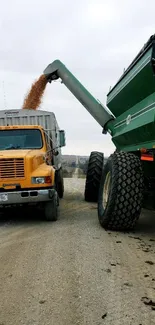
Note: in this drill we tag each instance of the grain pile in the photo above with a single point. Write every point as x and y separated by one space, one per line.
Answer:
33 98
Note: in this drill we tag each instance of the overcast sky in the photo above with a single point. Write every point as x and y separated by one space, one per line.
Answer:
95 39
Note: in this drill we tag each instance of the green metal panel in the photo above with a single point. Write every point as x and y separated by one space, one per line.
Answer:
134 87
135 128
132 101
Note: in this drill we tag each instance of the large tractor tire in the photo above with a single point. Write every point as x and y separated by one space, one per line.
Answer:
51 208
121 192
93 177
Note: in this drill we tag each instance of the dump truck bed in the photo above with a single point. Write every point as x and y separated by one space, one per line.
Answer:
28 117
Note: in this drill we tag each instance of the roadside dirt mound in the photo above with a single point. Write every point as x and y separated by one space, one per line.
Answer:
34 97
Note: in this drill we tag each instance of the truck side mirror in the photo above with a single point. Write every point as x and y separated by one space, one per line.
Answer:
62 139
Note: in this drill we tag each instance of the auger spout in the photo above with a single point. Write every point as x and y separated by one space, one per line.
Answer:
100 113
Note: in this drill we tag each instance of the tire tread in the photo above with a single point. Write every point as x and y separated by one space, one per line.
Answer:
125 199
93 176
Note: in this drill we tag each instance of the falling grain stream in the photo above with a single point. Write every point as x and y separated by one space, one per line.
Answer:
34 96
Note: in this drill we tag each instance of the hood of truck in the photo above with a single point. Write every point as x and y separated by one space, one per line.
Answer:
20 153
32 158
17 167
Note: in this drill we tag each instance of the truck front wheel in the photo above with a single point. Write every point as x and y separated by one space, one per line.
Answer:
120 192
51 209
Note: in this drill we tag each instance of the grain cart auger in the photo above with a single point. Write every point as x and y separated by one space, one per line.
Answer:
126 183
100 113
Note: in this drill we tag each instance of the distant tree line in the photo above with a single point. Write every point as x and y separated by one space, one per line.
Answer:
69 167
84 166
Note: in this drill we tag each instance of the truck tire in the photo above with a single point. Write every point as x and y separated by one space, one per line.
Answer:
60 184
93 177
121 192
51 209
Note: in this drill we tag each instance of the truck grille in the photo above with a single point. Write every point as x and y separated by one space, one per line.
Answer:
12 168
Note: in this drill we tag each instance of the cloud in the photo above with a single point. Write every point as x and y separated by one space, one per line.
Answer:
95 39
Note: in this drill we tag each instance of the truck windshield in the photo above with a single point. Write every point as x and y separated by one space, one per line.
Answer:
20 139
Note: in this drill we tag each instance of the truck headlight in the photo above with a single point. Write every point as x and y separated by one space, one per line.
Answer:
41 180
38 180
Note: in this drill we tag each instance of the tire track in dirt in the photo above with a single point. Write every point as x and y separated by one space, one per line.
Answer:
73 271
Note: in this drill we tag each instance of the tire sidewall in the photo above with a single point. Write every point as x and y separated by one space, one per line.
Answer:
102 212
60 183
93 176
126 192
51 209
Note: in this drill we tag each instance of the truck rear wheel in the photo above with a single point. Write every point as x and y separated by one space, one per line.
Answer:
51 209
120 192
93 177
60 183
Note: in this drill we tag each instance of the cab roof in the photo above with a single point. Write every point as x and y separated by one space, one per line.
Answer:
10 127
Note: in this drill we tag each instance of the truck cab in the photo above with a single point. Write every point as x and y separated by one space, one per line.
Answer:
28 174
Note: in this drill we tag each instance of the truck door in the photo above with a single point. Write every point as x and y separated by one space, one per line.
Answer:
49 149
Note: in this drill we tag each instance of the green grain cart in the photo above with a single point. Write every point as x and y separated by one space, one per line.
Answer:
126 183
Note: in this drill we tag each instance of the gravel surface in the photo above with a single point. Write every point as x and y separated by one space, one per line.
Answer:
72 271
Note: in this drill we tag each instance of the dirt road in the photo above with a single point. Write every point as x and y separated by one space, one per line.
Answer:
72 271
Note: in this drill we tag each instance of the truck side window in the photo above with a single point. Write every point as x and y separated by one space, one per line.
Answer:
47 141
47 148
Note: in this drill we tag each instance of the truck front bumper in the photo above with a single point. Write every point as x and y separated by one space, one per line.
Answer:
30 196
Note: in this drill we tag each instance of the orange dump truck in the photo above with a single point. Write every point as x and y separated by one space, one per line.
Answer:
30 160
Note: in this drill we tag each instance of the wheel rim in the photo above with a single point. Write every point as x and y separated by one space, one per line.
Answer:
106 189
